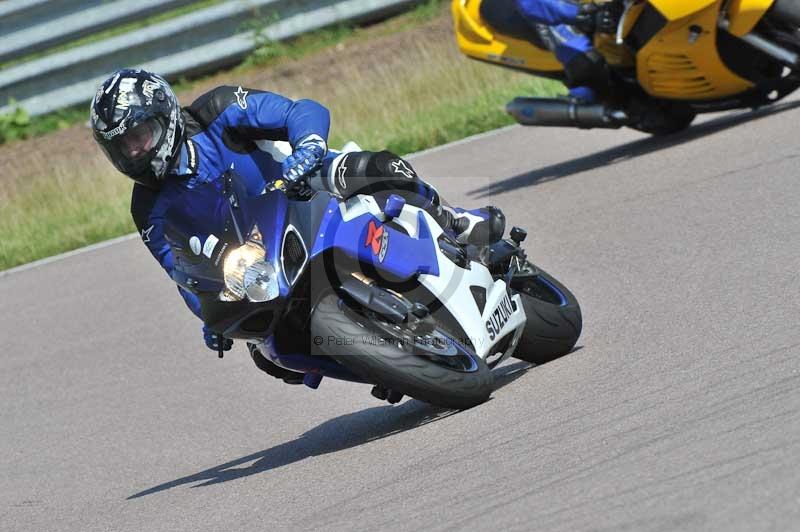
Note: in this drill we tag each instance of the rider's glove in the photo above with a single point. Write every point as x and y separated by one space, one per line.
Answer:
599 18
306 158
213 339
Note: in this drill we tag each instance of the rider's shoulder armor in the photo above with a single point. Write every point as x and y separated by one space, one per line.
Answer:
210 109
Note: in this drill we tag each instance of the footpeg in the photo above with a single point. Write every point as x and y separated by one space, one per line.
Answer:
394 397
379 392
384 394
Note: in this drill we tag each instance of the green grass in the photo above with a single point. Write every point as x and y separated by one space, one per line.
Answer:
425 96
19 126
65 210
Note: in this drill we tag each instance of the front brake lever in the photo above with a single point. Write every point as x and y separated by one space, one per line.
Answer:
300 188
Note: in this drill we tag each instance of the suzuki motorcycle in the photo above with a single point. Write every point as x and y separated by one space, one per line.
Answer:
669 60
376 294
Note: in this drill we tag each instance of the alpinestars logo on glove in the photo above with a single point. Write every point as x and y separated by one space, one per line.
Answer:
378 239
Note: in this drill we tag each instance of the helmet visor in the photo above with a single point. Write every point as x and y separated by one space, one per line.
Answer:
137 142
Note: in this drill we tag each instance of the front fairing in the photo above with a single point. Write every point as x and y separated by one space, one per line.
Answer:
203 227
199 227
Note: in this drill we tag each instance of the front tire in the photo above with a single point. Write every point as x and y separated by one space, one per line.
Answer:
350 338
554 320
665 119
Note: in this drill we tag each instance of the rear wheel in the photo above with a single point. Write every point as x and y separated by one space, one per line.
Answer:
554 320
425 363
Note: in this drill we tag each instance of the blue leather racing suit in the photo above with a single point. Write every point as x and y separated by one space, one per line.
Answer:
573 48
226 127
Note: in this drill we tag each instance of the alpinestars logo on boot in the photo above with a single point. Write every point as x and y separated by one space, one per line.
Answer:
378 240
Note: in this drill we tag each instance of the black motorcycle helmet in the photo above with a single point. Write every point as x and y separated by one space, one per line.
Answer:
137 121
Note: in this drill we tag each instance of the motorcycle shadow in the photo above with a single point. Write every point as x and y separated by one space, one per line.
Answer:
337 434
629 150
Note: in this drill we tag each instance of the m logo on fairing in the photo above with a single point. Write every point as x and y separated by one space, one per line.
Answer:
499 318
241 94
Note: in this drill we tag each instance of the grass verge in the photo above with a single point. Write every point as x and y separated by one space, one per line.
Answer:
59 193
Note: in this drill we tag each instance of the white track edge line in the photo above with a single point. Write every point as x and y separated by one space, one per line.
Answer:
55 258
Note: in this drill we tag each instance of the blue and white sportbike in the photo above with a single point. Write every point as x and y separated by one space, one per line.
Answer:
369 293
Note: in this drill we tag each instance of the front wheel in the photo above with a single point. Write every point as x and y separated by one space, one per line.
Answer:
427 364
554 320
665 119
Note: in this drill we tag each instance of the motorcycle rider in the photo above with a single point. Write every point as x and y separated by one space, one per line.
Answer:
567 26
137 122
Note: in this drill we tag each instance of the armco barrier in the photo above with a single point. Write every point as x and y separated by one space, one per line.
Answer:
195 43
79 24
16 15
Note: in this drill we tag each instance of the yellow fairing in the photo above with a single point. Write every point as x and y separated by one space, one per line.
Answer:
673 65
477 40
745 14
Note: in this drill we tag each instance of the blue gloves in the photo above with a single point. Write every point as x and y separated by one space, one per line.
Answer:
306 159
212 340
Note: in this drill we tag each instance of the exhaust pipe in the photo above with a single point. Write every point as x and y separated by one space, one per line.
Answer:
561 113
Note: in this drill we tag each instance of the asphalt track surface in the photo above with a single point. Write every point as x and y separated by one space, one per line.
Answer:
679 411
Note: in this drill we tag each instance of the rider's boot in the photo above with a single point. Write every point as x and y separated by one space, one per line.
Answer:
287 376
582 95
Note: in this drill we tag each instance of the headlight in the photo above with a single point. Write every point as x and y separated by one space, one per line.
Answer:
247 274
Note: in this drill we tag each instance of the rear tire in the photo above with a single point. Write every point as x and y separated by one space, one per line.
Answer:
554 319
393 367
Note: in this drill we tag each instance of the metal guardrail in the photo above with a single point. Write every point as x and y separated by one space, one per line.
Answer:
79 24
192 44
16 15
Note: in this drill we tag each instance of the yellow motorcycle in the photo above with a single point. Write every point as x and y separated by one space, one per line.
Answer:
669 60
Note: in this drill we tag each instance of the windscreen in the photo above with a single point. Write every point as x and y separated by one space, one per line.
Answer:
202 224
